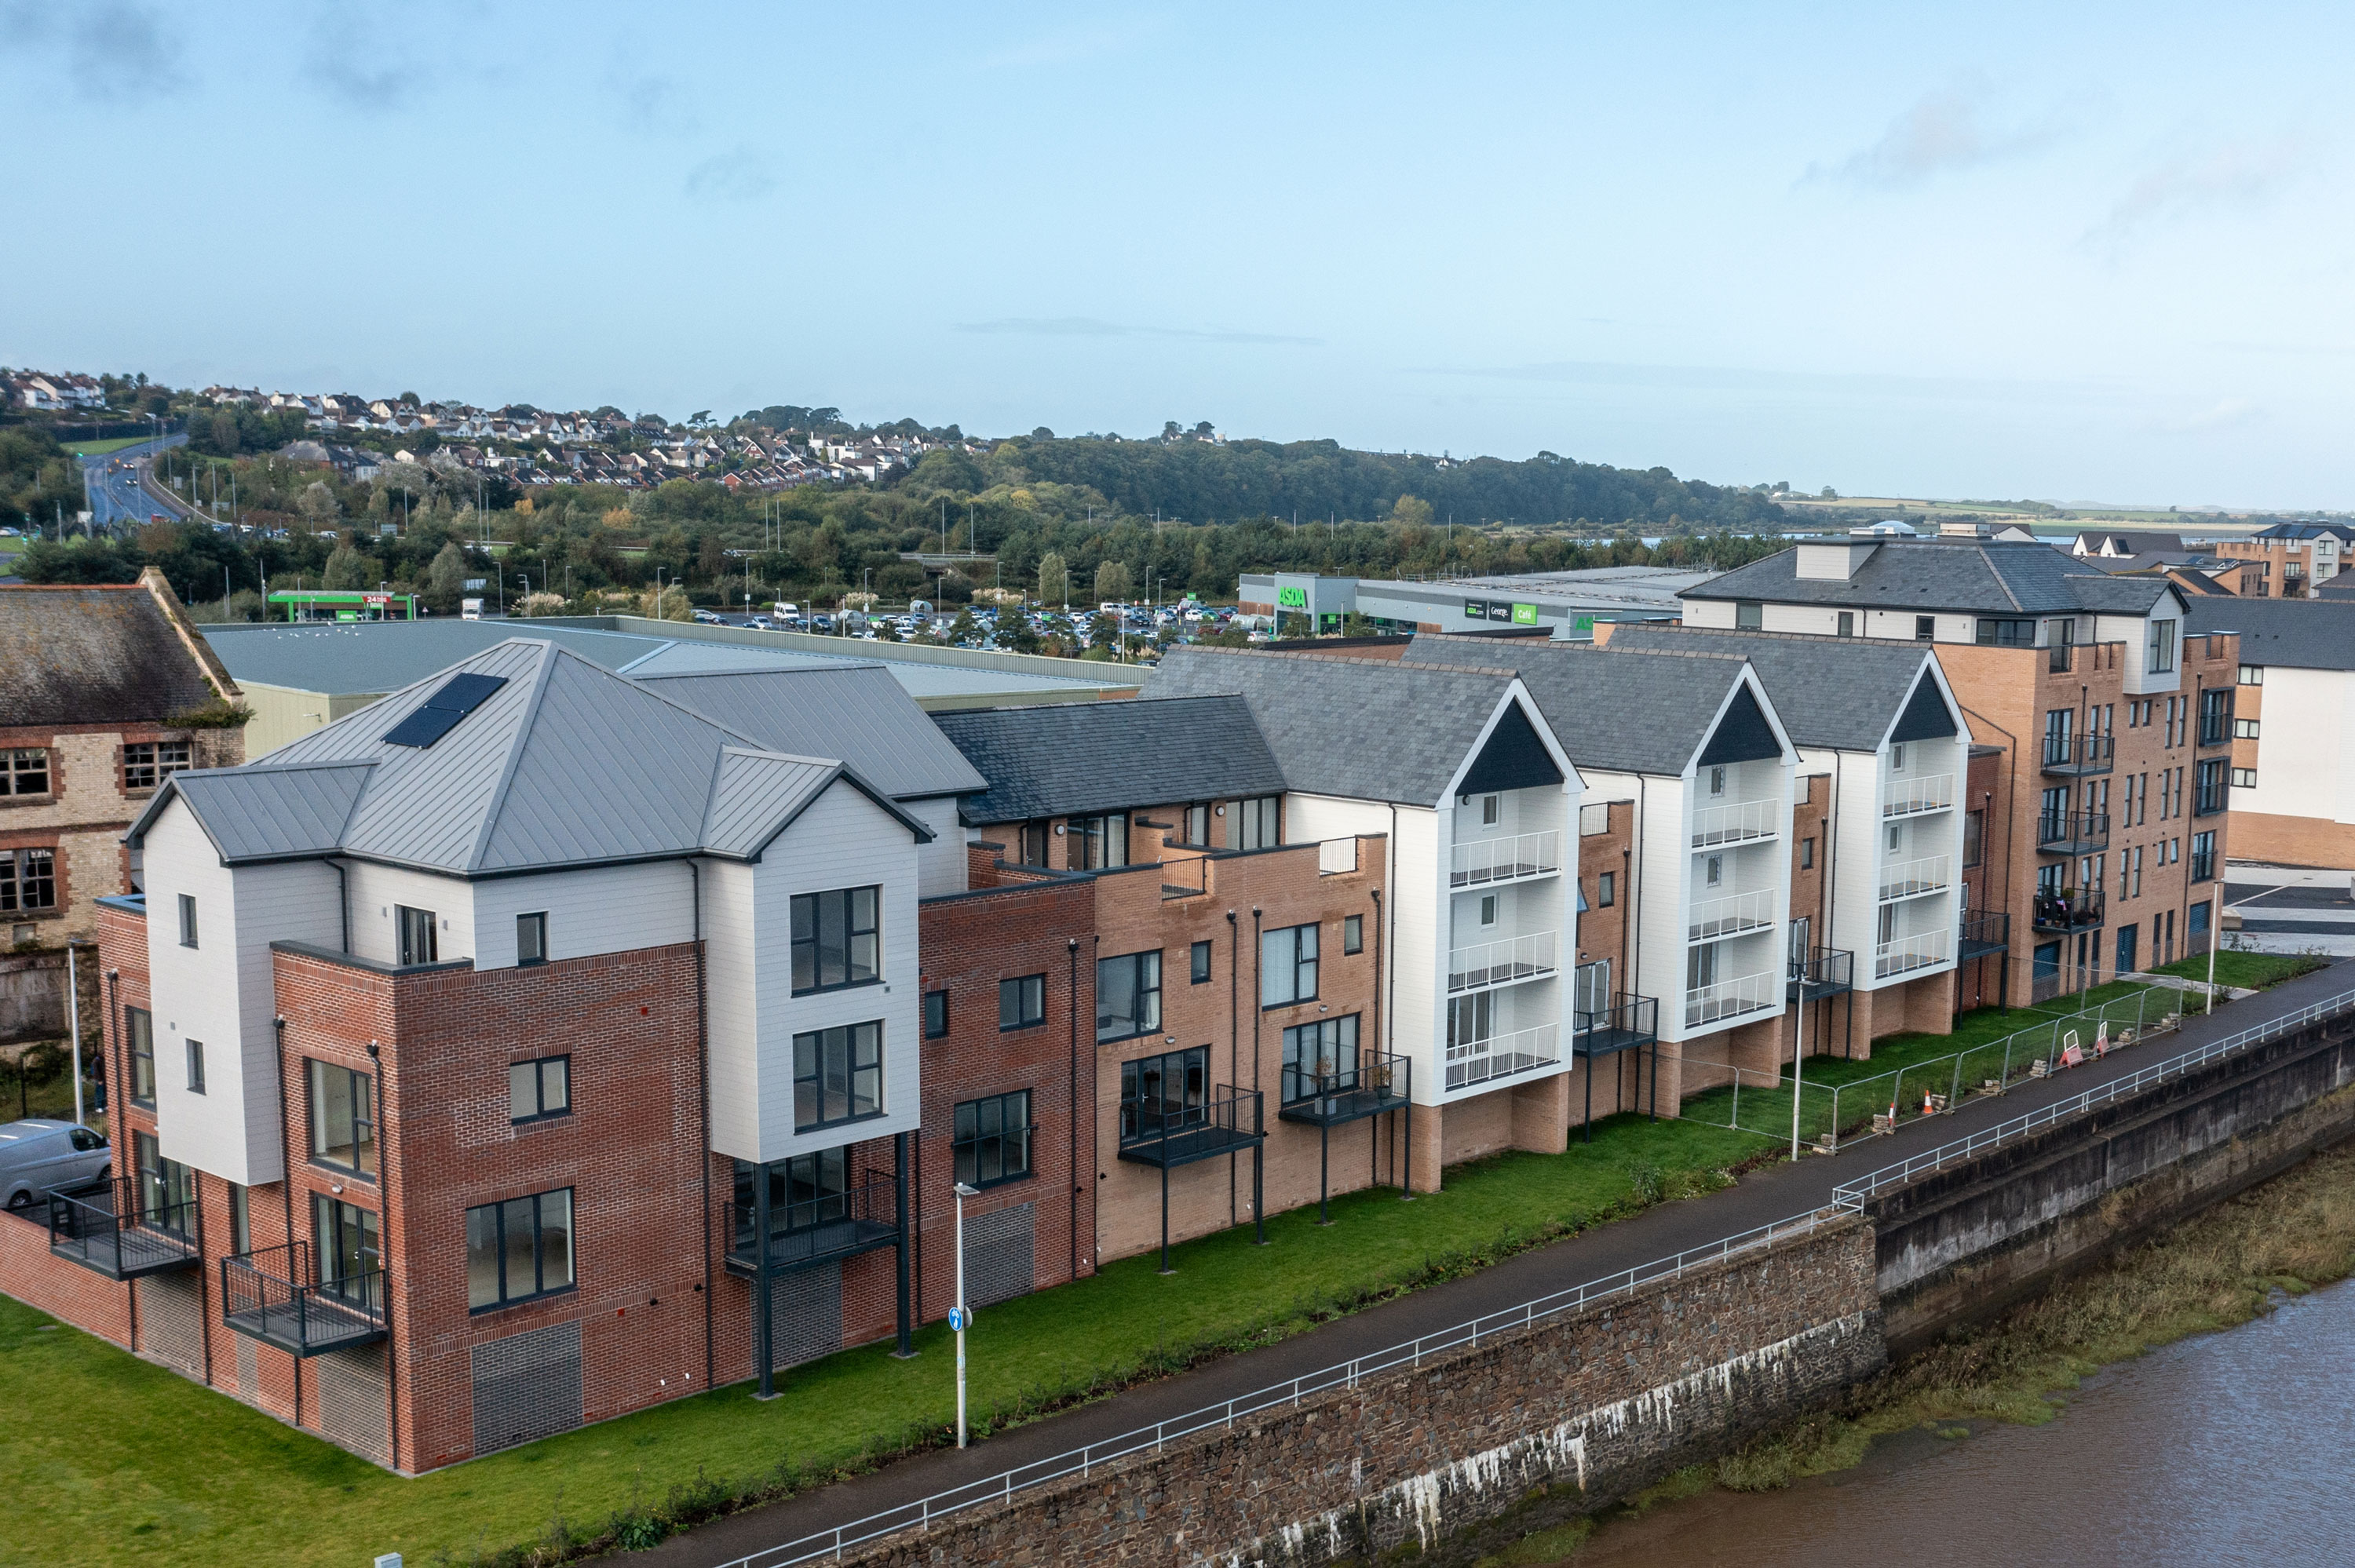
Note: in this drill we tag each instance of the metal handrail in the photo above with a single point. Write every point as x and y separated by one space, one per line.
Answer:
1540 1043
1730 915
1480 860
2071 911
1910 878
1627 1012
1820 967
1509 954
2095 752
872 1200
1736 821
92 1221
1910 953
1910 797
1733 998
923 1513
1378 1073
1853 1194
2082 830
282 1281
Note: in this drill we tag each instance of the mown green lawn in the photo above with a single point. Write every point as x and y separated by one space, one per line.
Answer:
100 448
2245 971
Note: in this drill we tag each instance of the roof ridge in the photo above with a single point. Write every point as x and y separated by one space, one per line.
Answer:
515 744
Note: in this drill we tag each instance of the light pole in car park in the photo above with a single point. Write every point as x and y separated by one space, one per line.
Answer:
960 1315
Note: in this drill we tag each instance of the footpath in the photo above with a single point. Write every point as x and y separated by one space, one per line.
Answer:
1776 1192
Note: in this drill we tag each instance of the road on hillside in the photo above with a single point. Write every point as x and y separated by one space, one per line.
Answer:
112 482
1778 1192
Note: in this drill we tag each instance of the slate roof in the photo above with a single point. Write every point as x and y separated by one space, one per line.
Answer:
1367 729
1981 576
2300 633
859 713
94 654
1840 693
2131 540
564 765
1630 712
1071 759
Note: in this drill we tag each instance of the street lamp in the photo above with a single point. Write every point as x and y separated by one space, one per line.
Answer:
960 1315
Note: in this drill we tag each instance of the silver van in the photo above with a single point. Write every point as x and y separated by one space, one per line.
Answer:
43 1156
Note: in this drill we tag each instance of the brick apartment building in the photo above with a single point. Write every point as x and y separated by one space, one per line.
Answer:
2107 802
2291 715
107 695
2292 559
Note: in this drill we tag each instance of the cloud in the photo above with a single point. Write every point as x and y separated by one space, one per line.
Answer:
114 49
346 61
741 175
652 105
1089 326
2237 175
2228 414
1942 134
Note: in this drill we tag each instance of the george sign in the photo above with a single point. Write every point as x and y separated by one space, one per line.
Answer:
1525 615
1501 613
1292 598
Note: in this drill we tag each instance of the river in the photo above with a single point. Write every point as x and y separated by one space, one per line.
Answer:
2228 1447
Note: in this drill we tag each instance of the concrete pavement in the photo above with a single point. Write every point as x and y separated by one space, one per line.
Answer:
1777 1192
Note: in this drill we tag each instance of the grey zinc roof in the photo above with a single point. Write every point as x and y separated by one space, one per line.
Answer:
859 713
2298 633
1071 759
1625 711
1986 577
1367 729
756 794
1835 693
272 812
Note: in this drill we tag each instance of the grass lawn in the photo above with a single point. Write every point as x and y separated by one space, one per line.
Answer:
2245 971
100 448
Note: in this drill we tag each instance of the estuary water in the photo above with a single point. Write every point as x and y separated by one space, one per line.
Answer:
2232 1448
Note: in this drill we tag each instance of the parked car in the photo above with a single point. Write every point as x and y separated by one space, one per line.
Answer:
42 1156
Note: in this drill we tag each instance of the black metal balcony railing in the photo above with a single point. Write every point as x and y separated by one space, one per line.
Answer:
2208 798
861 1218
2216 727
1624 1022
1229 1120
276 1295
102 1228
2075 756
1982 933
2069 910
2203 865
1819 972
2072 832
1338 1093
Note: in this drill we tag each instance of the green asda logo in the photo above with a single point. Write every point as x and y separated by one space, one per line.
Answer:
1292 598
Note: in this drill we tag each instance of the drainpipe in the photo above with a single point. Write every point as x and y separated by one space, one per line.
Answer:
1234 1043
344 901
1374 1138
703 1089
1390 1013
1634 934
1072 948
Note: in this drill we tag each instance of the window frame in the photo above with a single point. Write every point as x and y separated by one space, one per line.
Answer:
2252 676
1303 960
1098 841
138 1031
195 1050
1925 629
1190 1062
814 943
936 1002
1748 615
540 1226
15 769
1606 889
1353 935
819 1075
1254 817
1348 1058
153 763
535 923
22 872
1141 960
331 1213
1026 989
541 1064
2004 632
409 922
966 1142
1198 964
2159 645
363 1101
189 928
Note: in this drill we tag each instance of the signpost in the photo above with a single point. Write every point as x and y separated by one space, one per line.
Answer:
960 1315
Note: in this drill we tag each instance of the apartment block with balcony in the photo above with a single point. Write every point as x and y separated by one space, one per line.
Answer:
2292 559
2292 721
1461 777
2109 801
1878 855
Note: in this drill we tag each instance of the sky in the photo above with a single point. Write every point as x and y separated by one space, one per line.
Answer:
2091 252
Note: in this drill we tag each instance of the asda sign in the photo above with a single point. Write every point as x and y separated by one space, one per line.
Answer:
1292 598
1497 610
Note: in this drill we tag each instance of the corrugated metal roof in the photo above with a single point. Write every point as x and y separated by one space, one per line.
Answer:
857 712
756 794
1074 759
271 812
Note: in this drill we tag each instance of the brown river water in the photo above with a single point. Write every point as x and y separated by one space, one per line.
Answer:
2232 1448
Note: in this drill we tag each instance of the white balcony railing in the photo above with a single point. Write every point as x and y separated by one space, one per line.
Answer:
1731 917
1909 953
1761 992
1506 859
1500 962
1910 878
1913 797
1472 1061
1737 821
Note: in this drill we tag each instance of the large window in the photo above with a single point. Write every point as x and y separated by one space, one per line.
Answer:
2203 857
519 1249
147 762
835 942
531 938
2005 633
1287 965
2161 644
991 1139
24 772
139 1034
350 1253
1104 841
837 1075
343 1117
2215 716
1258 823
804 1192
420 939
28 879
1164 1093
1021 1002
1320 1057
168 1189
1128 995
539 1089
1030 843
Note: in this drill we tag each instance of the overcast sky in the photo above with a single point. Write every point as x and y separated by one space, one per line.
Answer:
2072 252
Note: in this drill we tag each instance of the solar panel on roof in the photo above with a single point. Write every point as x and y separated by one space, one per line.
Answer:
459 695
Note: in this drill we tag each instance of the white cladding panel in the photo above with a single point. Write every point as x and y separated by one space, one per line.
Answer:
1662 860
1709 612
378 891
2135 631
2303 747
732 952
597 909
940 864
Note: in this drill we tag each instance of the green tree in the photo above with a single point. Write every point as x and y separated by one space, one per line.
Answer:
1112 582
319 505
1054 579
348 569
1411 511
446 580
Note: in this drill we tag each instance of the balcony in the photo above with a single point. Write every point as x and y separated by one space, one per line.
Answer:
2072 832
1329 1095
102 1229
1505 859
1822 972
1915 797
1728 999
275 1296
1912 878
1906 954
1627 1022
1471 1062
1736 822
2067 910
2079 756
2065 657
824 1229
1228 1122
1502 962
1731 917
1980 933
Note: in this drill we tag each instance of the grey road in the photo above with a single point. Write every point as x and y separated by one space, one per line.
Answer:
112 483
1763 1198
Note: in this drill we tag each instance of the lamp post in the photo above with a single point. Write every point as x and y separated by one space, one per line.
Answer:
961 1316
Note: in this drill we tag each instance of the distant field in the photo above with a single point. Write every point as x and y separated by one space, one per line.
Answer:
100 448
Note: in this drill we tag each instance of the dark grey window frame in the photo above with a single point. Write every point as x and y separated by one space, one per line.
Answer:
1148 959
936 1014
411 923
1027 994
539 1228
534 950
541 1065
968 1139
1353 935
1300 963
139 1042
817 1068
1199 963
1192 1102
361 1088
814 907
196 1053
188 919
